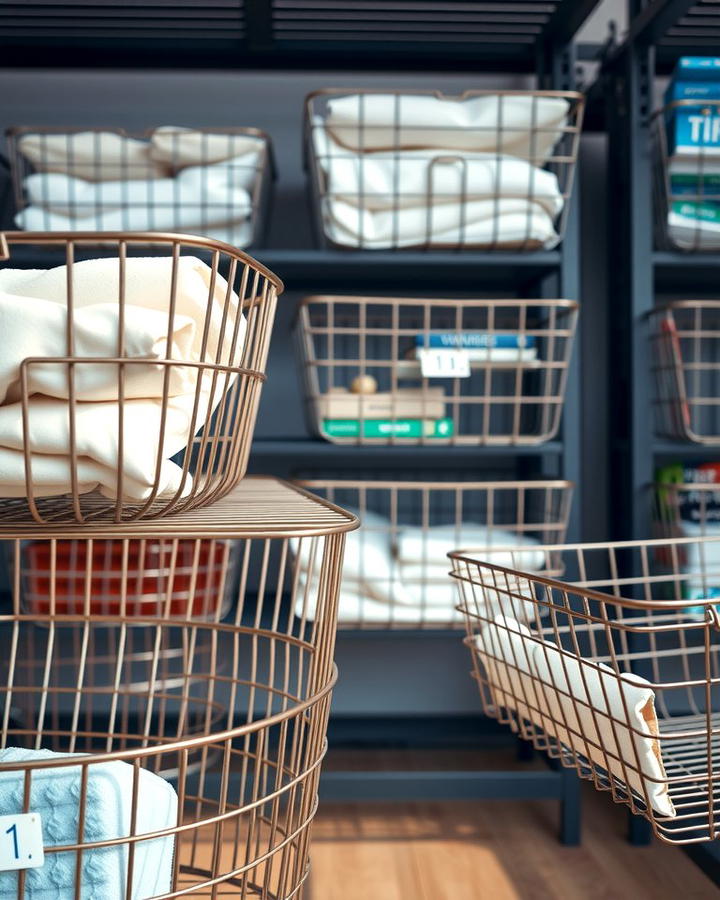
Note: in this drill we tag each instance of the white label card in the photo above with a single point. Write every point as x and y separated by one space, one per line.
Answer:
21 842
443 362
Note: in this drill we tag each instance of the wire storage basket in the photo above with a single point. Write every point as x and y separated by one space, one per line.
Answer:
210 181
613 670
169 754
131 373
686 363
687 183
379 370
396 567
398 169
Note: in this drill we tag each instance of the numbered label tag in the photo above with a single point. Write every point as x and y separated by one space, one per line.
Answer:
444 363
21 842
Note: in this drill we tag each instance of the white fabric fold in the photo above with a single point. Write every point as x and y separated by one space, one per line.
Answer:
431 546
522 125
92 155
178 147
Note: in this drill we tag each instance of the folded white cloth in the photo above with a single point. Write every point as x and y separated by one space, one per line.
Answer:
430 546
55 795
608 719
384 180
178 147
93 155
148 286
511 222
521 125
692 233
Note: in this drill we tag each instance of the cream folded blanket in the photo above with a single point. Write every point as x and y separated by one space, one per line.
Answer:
509 223
520 125
609 720
92 155
384 180
178 147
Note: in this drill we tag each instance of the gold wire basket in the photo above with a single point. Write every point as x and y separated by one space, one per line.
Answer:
686 365
203 737
687 183
388 370
613 671
401 169
396 567
131 374
210 181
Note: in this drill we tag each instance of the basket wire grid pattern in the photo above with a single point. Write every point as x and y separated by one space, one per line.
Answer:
221 388
232 711
688 188
553 149
509 511
512 396
693 504
623 611
686 364
131 192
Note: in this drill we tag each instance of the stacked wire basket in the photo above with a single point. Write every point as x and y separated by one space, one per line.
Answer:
168 625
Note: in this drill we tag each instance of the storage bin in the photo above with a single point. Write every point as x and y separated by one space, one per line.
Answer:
612 670
686 365
396 566
134 392
215 182
687 183
475 372
396 169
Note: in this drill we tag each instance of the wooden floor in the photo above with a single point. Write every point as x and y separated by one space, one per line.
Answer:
491 850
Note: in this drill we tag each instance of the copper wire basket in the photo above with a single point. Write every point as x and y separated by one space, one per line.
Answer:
613 671
396 570
686 365
687 183
143 397
211 181
473 372
402 169
230 713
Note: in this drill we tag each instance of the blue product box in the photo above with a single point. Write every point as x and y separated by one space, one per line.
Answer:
697 68
694 131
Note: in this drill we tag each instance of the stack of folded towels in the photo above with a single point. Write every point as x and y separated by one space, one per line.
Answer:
400 575
33 323
178 180
418 170
608 719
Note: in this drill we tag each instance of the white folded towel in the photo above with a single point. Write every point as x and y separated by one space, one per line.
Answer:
92 155
384 180
429 547
178 147
56 794
506 648
509 223
520 125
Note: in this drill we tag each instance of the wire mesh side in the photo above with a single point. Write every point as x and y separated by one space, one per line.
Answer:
614 670
686 365
379 370
398 169
215 182
396 566
143 398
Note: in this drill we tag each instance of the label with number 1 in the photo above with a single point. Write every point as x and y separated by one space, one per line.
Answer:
21 842
444 363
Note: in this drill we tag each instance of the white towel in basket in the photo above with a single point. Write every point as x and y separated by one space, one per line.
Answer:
93 155
506 648
55 794
430 546
392 180
521 125
179 147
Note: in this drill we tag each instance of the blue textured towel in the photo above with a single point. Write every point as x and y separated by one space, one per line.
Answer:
55 795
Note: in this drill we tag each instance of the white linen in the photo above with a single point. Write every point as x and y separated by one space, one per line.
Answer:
392 180
93 155
521 125
507 222
179 147
690 233
505 649
431 546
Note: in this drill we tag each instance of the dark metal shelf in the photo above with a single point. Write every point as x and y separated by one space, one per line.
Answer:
685 449
675 269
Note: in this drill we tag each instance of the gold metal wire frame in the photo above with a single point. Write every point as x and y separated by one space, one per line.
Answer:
512 395
559 159
205 405
231 711
614 670
209 213
686 366
686 510
687 189
390 584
